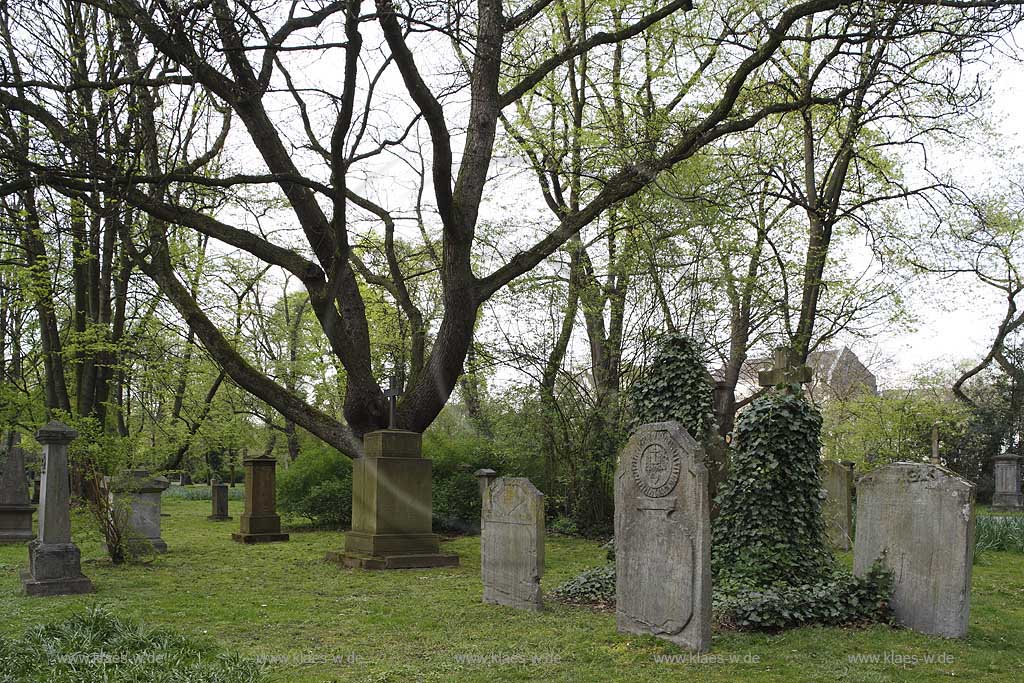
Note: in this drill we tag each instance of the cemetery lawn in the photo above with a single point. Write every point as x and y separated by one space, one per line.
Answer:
283 601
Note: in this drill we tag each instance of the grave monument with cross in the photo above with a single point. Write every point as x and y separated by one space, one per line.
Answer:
784 372
392 513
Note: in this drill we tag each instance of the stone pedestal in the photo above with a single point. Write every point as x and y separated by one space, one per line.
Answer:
837 479
15 509
1006 472
219 498
391 507
54 561
141 493
260 521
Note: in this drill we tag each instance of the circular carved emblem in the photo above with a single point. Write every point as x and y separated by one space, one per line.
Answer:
656 470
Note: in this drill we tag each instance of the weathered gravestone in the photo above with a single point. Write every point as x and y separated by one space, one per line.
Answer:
919 518
260 521
15 508
663 537
1006 472
54 561
219 499
837 479
512 542
141 493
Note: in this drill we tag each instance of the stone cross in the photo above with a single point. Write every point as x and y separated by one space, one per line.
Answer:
391 394
783 370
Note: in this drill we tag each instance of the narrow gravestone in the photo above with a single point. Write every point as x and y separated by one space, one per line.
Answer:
1006 472
15 508
837 478
219 498
54 561
260 521
919 518
512 542
141 492
663 537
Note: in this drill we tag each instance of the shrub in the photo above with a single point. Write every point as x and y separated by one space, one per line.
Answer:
563 525
838 599
769 529
317 486
456 455
96 646
595 586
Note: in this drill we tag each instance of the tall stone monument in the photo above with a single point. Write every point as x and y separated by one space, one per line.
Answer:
141 492
391 507
837 478
663 537
15 508
919 519
54 561
219 499
512 543
1006 472
260 521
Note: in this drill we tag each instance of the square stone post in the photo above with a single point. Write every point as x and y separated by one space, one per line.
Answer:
1006 472
219 500
260 521
15 508
141 493
55 566
391 507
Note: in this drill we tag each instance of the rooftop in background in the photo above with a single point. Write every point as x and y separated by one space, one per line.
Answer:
838 374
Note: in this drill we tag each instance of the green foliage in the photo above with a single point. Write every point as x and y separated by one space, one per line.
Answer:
834 600
456 455
595 586
769 529
1003 533
98 646
317 486
675 387
563 525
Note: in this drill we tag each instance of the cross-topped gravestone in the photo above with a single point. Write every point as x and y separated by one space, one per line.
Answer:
391 394
784 371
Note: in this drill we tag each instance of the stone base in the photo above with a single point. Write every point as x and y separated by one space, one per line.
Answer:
71 586
16 523
415 561
383 545
1007 502
217 518
258 538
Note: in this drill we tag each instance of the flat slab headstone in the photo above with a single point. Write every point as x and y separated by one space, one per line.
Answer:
512 543
663 537
15 506
837 480
919 519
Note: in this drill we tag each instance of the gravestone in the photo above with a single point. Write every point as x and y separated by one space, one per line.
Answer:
391 507
141 492
663 537
512 542
837 478
219 499
919 518
54 561
15 508
1006 472
260 521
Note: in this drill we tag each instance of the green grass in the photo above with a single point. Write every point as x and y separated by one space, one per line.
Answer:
421 625
999 532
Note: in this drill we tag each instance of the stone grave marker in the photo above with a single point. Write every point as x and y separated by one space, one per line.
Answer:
919 519
1006 473
260 521
663 537
512 542
141 492
54 561
15 506
219 500
837 478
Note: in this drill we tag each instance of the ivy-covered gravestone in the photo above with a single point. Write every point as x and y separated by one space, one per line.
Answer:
770 529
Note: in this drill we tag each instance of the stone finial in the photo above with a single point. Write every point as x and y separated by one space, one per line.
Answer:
56 432
484 477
